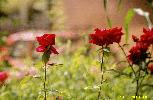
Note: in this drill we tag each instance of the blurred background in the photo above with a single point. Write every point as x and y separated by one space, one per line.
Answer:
71 20
68 15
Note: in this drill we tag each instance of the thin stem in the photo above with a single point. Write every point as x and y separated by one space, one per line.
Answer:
45 77
140 85
137 86
127 59
137 81
151 51
119 72
102 76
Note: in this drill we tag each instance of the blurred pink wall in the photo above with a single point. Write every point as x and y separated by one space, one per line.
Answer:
84 14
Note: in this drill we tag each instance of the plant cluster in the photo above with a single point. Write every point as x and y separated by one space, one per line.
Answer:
139 56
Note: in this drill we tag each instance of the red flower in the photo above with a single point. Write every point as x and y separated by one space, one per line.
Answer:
138 53
135 39
46 42
147 37
150 67
106 37
3 76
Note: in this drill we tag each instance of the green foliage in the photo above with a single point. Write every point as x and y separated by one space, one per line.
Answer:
105 4
150 3
2 2
77 79
119 3
127 20
3 35
46 56
56 15
109 22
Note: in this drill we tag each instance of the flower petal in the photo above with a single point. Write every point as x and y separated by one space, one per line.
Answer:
3 76
50 38
145 30
42 41
40 48
46 39
106 36
135 39
53 50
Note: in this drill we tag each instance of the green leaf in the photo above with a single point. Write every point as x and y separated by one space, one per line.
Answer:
2 41
55 65
4 33
128 18
119 4
107 49
150 3
105 4
46 56
125 45
24 81
109 22
135 79
94 87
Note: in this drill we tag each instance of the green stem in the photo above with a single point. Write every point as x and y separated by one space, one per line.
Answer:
151 52
140 85
137 81
127 59
137 86
102 76
45 76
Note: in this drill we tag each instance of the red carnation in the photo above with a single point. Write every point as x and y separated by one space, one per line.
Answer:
3 76
135 39
106 37
147 37
138 53
46 42
150 67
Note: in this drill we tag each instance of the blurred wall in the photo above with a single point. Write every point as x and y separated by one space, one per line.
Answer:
84 14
